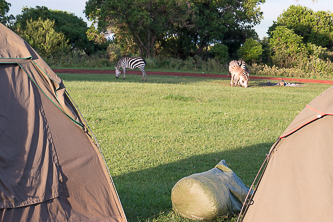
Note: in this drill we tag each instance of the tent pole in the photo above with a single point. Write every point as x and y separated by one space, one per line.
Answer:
249 197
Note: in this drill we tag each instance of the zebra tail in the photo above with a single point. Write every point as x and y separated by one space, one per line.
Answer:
144 60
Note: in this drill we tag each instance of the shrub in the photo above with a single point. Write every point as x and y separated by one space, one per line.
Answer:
314 68
114 52
287 47
251 51
78 58
43 38
220 52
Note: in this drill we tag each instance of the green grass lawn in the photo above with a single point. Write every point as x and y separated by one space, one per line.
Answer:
152 134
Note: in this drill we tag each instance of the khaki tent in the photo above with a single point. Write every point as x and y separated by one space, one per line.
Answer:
50 168
296 182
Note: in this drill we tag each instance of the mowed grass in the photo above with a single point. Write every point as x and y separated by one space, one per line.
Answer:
154 133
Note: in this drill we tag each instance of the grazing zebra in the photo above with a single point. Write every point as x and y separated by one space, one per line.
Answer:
131 63
244 67
239 73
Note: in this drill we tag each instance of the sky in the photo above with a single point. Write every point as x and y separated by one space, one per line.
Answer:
71 6
271 9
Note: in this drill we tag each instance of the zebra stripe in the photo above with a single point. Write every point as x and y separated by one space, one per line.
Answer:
239 73
131 63
243 66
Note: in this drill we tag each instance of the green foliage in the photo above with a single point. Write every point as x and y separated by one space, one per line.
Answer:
266 56
318 68
43 38
195 64
220 52
177 28
314 68
314 27
156 133
94 35
140 21
203 26
71 26
287 47
318 51
302 39
212 22
4 9
251 51
114 52
79 59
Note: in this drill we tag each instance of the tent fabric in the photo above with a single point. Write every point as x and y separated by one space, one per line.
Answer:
297 182
218 192
314 110
50 168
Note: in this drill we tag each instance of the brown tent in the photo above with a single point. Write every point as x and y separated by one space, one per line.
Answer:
50 168
296 181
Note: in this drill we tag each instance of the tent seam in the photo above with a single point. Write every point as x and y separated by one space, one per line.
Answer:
77 123
304 124
73 120
313 109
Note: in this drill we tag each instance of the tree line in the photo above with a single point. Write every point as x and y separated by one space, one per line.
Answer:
177 28
219 30
50 31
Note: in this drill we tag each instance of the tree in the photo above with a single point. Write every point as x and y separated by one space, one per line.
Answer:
226 22
73 27
220 52
43 38
288 47
251 51
314 27
4 9
266 56
182 27
141 21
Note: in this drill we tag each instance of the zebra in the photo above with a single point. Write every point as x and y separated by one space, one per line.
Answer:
239 73
244 67
131 63
242 64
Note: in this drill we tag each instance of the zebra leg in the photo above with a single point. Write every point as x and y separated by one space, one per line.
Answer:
232 79
144 74
236 80
124 69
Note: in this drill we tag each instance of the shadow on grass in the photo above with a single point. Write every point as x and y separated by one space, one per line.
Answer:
147 193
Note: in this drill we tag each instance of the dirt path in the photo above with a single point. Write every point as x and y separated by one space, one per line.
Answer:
131 72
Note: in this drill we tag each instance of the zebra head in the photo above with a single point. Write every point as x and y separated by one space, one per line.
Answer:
243 80
117 71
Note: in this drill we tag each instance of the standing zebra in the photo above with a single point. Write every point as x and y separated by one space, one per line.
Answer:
239 73
131 63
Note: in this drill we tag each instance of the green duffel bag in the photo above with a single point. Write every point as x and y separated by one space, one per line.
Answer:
218 192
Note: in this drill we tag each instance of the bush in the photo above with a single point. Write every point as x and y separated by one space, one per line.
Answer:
79 59
43 38
220 52
287 47
190 64
314 68
114 52
251 51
